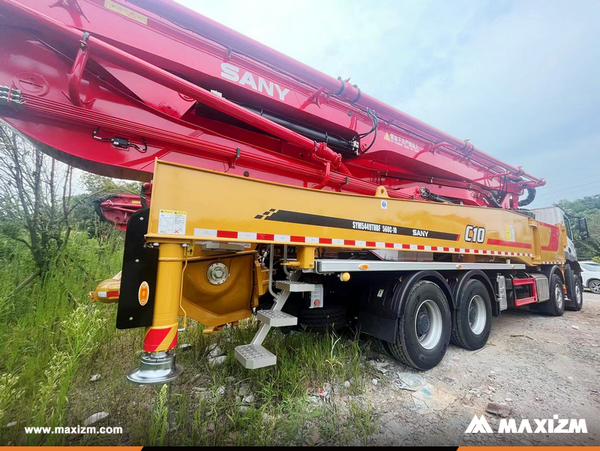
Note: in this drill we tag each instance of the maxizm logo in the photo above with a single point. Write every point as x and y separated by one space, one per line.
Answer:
544 426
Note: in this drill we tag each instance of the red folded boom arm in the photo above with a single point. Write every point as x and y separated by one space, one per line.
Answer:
113 85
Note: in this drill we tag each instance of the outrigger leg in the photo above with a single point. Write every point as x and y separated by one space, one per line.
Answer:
158 365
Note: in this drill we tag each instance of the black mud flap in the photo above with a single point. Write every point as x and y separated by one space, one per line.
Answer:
377 316
570 283
140 265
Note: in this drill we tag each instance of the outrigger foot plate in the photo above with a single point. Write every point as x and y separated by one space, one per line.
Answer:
156 368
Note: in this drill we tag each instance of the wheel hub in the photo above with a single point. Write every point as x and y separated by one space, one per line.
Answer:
558 296
423 323
476 314
472 313
428 324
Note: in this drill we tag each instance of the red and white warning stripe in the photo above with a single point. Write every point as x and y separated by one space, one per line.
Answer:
108 294
551 263
293 239
160 338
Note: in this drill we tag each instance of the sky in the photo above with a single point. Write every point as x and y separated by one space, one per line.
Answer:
520 79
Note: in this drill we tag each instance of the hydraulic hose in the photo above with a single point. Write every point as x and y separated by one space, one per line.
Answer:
530 198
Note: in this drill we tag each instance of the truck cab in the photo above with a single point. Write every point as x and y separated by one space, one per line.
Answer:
555 215
572 269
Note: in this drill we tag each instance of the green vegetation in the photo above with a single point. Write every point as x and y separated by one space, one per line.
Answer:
53 251
589 208
48 331
54 340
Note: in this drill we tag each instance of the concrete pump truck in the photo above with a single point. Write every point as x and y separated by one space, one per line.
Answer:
268 183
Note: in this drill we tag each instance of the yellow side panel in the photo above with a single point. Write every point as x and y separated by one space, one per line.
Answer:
220 207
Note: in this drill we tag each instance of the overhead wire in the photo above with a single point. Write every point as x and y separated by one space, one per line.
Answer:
567 182
549 193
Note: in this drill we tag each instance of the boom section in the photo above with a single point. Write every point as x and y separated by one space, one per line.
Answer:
110 85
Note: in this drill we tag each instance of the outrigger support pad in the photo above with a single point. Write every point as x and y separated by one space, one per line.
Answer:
156 368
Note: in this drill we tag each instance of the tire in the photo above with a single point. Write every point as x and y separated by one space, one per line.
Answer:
556 305
594 286
423 346
473 319
577 301
382 347
329 317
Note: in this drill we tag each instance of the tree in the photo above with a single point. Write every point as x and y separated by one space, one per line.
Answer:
97 188
35 197
102 186
587 207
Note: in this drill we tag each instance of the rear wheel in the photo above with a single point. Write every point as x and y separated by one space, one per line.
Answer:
577 301
556 305
329 317
424 327
382 346
473 320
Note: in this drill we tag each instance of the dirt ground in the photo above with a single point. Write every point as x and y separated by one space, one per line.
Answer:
538 366
535 366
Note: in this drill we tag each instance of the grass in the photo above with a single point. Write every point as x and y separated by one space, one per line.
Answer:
205 405
53 339
47 331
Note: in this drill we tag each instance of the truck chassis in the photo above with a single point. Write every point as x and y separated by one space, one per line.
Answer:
414 275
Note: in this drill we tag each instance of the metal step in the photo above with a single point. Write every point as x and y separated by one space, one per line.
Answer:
276 318
254 356
295 287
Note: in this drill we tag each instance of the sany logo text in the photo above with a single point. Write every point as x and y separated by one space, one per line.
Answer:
544 426
231 72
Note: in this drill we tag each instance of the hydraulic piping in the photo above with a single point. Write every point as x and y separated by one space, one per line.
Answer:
529 199
161 76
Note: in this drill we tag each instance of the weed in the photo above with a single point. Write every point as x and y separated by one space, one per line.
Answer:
9 393
54 340
159 424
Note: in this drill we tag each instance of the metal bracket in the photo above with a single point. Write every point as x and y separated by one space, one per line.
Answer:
315 98
316 297
502 297
237 157
326 177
